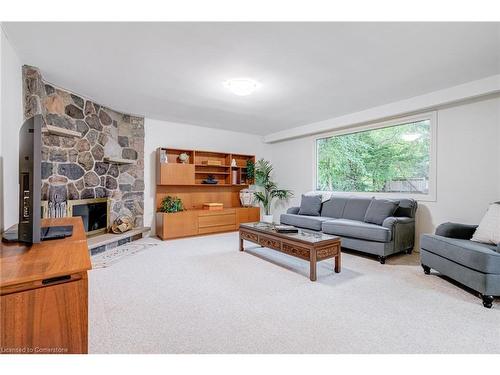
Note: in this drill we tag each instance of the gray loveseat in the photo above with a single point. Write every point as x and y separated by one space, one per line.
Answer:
473 264
345 217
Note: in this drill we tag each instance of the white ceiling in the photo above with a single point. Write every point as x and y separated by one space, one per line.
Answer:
309 71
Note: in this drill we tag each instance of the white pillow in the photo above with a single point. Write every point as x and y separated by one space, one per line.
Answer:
488 230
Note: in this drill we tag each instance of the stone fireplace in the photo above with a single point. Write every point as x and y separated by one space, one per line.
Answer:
89 152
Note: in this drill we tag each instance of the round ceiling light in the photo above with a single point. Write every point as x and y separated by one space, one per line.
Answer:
241 86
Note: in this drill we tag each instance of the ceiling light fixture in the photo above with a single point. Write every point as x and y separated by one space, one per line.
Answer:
241 86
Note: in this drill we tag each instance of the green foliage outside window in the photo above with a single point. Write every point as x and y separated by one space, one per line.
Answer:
394 158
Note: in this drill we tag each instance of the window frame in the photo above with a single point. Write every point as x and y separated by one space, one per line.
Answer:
430 116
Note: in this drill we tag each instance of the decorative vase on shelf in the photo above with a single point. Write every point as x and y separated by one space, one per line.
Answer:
184 158
163 157
267 219
233 163
247 197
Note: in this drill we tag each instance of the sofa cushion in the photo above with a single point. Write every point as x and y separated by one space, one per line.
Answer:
357 229
379 210
334 207
478 256
303 221
310 205
488 230
355 208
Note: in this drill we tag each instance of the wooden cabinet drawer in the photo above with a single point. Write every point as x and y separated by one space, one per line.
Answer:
225 211
269 242
215 229
217 220
249 237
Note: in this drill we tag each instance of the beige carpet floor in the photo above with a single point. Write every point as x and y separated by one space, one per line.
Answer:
201 295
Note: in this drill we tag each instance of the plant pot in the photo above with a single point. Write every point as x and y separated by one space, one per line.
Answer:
267 219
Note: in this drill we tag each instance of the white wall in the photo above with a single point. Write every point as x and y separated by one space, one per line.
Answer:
468 165
11 120
168 134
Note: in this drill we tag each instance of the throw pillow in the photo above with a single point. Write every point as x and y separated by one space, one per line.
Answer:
325 195
379 210
488 230
310 205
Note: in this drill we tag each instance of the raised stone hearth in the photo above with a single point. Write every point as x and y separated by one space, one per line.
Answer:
102 242
106 159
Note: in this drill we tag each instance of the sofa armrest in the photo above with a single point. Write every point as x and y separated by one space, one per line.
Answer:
293 210
498 248
455 230
391 221
403 232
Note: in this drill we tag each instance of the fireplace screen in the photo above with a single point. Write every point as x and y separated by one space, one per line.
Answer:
94 213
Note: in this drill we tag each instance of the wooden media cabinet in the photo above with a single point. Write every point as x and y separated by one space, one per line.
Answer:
43 294
185 181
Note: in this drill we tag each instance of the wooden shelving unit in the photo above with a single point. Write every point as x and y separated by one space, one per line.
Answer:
185 180
197 169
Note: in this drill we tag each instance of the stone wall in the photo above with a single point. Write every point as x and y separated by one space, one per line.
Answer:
75 168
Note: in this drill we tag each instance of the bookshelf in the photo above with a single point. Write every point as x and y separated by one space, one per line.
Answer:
200 164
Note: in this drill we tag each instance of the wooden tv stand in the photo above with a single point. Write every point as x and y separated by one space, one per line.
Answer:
43 294
185 181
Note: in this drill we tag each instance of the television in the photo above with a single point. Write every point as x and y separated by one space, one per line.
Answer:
30 157
29 229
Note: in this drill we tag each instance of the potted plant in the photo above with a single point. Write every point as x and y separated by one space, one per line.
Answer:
171 204
250 171
263 178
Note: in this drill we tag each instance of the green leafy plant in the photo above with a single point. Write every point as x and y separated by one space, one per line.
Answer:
171 204
263 178
250 170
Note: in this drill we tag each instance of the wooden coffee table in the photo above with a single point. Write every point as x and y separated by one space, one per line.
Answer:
306 244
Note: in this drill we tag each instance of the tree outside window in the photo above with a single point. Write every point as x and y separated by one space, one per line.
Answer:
391 159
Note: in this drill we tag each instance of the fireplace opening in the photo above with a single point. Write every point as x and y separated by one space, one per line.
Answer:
94 212
94 215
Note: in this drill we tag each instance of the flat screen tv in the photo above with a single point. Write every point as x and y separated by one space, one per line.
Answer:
30 155
29 229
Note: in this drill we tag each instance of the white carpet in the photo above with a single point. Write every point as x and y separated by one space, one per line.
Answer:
201 295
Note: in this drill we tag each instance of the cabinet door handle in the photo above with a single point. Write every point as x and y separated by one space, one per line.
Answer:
57 279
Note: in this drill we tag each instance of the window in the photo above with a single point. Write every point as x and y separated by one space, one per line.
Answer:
388 158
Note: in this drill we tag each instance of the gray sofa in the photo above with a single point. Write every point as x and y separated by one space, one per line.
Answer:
473 264
345 217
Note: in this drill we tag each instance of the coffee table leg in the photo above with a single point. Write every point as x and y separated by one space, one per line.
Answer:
241 244
337 263
312 263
